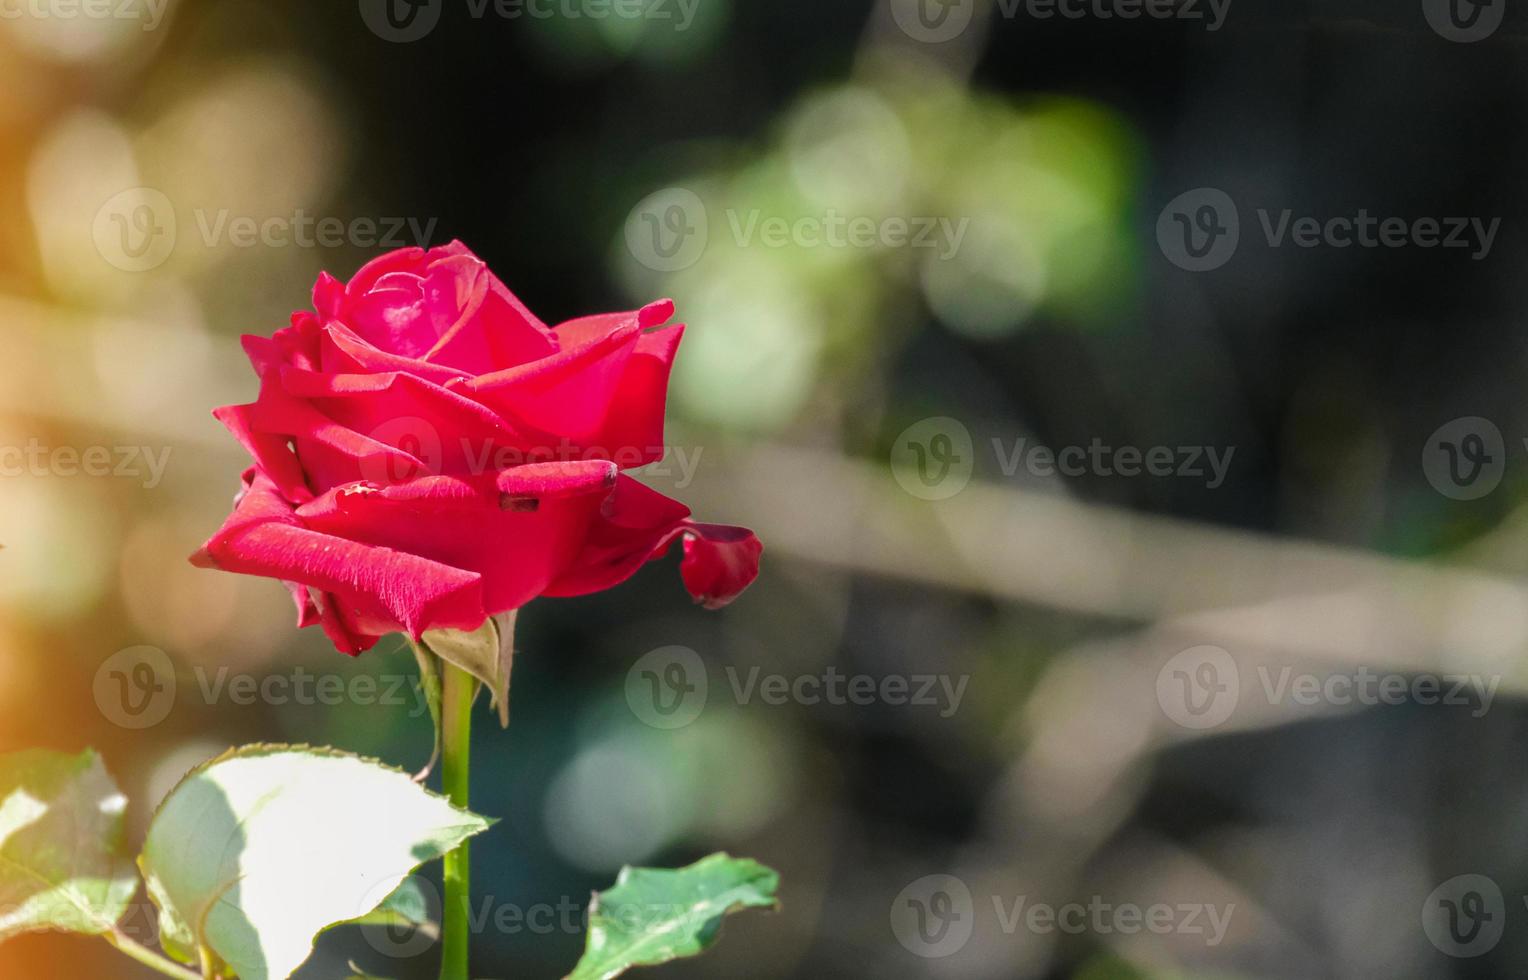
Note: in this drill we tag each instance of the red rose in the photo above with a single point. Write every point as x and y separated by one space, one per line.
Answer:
428 454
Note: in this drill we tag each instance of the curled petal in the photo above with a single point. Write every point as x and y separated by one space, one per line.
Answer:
720 561
381 589
343 351
443 306
638 526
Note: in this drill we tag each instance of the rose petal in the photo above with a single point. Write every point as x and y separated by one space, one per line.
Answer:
568 393
638 526
343 351
384 589
464 523
720 561
633 430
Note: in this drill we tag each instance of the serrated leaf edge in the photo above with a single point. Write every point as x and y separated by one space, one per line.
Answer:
255 750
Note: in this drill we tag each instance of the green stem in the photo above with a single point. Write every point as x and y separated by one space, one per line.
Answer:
148 957
459 691
209 968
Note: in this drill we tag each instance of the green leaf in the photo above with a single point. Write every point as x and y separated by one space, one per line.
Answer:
258 851
653 916
408 907
487 653
60 839
434 695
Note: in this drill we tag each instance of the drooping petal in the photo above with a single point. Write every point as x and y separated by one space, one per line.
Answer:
720 561
639 525
380 588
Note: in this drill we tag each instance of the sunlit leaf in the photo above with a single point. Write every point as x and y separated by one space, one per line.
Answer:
653 916
60 834
261 849
408 907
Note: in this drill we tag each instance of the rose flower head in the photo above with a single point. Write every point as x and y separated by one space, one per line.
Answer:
427 454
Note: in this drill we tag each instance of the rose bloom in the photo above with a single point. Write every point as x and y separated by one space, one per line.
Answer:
427 453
